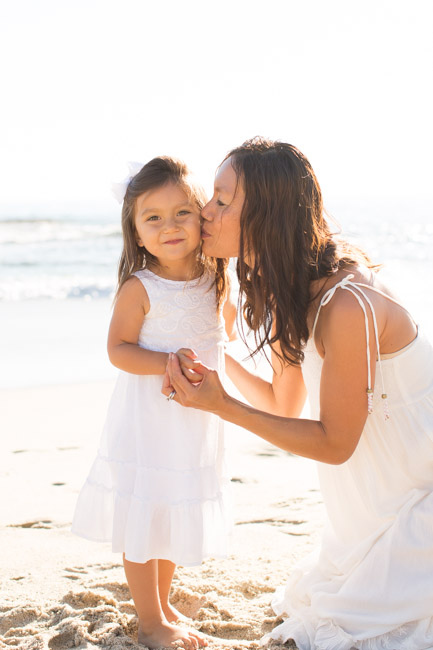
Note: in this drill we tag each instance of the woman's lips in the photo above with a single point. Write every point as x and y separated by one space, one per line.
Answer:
204 234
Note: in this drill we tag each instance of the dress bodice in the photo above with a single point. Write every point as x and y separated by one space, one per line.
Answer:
182 314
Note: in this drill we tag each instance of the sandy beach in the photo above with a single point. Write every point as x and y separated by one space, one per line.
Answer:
59 591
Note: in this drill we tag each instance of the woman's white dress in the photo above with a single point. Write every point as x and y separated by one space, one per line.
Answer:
371 585
157 488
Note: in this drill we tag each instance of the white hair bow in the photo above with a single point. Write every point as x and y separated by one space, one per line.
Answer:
119 189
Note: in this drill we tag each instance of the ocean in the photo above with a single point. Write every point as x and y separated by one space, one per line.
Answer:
58 275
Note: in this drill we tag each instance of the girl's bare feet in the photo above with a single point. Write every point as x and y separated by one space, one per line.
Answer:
174 616
166 635
202 643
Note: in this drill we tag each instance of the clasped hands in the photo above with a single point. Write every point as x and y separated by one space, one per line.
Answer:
189 365
195 384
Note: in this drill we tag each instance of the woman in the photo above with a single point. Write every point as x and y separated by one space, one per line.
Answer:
319 304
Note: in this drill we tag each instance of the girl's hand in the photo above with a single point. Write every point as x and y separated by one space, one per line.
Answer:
209 395
188 364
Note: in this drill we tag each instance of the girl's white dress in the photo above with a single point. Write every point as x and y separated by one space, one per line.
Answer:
157 488
371 585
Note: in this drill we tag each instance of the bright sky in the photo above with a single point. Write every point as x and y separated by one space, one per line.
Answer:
90 84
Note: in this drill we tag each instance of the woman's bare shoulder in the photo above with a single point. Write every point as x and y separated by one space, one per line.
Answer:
364 299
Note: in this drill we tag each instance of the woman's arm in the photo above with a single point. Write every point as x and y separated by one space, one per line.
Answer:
343 401
129 312
267 396
285 395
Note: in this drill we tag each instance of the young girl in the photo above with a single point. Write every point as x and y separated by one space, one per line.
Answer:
156 488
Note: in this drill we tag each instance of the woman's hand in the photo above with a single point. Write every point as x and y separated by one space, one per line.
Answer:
188 364
209 395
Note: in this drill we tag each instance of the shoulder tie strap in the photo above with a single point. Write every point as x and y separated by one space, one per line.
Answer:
327 297
354 288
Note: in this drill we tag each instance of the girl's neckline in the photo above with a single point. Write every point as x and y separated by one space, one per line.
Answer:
160 277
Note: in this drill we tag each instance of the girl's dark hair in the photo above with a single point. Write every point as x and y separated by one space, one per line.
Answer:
157 173
284 227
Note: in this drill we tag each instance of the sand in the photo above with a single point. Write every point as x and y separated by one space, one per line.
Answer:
59 591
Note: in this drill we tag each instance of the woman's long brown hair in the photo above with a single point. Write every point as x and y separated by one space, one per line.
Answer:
155 174
287 242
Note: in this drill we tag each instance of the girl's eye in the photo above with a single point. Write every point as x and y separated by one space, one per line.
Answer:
183 213
154 217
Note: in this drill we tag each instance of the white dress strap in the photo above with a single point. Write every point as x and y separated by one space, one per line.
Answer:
327 297
358 293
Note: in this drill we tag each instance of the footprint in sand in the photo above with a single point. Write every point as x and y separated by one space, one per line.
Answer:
63 640
105 567
273 521
86 599
285 525
251 589
45 523
119 590
18 617
224 630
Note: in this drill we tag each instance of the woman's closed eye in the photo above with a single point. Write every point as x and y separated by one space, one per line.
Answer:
220 203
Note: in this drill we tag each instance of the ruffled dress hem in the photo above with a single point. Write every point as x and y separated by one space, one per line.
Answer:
321 634
144 528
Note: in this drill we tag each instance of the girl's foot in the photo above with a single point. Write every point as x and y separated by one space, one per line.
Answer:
166 635
202 643
174 616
